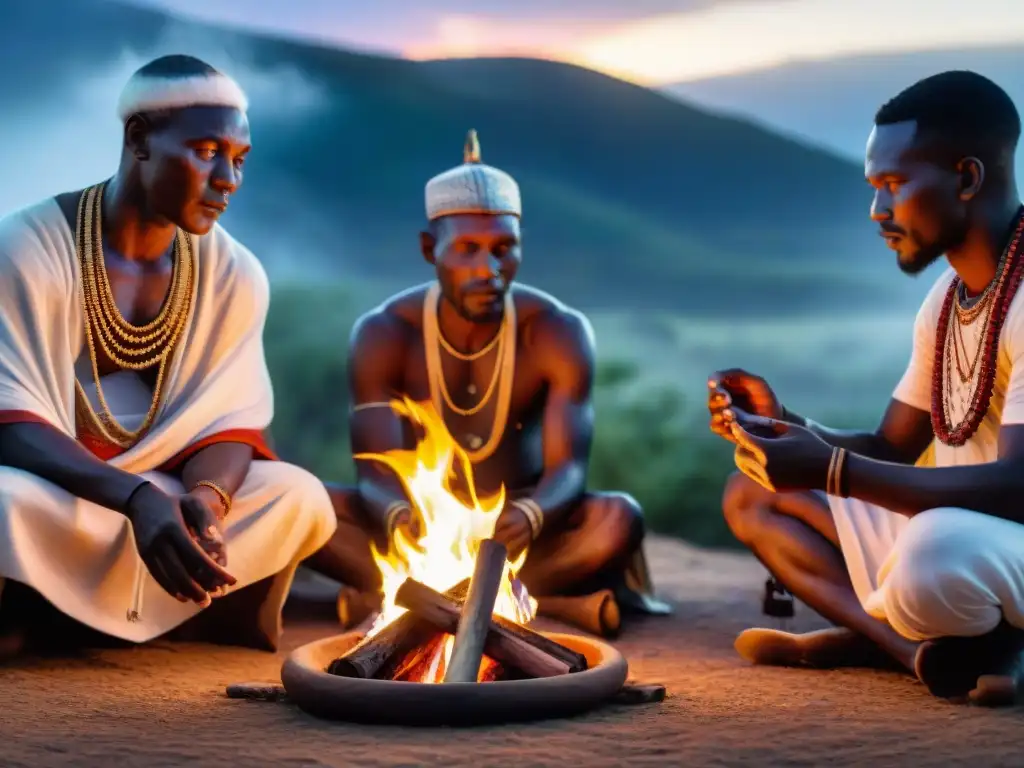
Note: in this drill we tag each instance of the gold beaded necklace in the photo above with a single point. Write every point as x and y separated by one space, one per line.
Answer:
471 356
501 381
128 346
499 342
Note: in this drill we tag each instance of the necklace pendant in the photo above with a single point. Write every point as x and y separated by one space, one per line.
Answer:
471 389
475 441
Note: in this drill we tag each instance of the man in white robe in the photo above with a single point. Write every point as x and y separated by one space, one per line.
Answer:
127 525
911 538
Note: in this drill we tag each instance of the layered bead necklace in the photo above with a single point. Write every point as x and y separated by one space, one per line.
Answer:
500 386
951 349
130 347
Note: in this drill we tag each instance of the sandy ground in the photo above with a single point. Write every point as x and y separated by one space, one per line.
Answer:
164 705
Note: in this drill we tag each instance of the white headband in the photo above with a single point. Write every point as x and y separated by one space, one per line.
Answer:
147 94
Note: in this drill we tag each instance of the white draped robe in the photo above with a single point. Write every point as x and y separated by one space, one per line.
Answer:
946 571
80 556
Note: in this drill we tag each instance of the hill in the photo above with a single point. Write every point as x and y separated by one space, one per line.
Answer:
633 200
830 103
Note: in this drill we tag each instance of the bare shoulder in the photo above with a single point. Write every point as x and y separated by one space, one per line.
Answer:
550 326
407 306
391 325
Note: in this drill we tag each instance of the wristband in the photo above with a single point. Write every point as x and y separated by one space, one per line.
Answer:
534 515
835 481
391 514
225 499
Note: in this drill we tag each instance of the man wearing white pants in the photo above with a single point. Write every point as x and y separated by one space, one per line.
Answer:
910 538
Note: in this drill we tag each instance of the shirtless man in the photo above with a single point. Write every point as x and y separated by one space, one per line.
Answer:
511 370
135 482
925 563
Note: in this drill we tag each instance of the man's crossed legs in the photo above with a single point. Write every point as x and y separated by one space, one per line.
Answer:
941 594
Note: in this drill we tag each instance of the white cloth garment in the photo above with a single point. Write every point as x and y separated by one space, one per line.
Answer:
944 572
80 556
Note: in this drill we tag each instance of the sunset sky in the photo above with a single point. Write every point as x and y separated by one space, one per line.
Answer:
648 41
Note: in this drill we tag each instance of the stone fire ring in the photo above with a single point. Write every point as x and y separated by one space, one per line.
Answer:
403 703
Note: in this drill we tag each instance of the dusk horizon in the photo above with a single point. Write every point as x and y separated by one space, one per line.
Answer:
650 42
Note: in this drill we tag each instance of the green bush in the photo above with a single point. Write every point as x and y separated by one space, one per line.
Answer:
647 442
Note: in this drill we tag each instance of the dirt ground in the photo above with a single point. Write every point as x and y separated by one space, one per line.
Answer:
164 705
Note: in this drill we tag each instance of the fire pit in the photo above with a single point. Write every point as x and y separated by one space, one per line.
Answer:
451 643
333 697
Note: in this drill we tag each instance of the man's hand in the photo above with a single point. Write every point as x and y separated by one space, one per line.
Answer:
513 530
203 510
776 455
161 525
735 388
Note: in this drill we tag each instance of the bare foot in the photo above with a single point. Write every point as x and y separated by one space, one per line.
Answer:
997 690
987 670
823 649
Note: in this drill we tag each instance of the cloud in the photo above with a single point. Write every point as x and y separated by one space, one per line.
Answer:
72 138
282 92
400 26
648 41
464 36
733 37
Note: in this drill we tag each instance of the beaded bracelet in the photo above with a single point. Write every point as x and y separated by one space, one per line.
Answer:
225 499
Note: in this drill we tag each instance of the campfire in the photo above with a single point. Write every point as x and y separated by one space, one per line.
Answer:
453 608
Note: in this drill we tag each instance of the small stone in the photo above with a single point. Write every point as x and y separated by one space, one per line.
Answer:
475 441
639 693
257 691
471 389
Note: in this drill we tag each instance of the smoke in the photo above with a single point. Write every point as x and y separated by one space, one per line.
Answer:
71 137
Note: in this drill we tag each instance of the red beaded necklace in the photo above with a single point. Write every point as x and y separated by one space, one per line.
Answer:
1009 279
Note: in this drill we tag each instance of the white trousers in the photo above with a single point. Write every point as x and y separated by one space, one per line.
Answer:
82 557
944 572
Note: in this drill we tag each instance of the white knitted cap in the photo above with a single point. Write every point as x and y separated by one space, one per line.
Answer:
472 188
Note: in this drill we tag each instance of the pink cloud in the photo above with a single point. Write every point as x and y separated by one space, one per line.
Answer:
459 36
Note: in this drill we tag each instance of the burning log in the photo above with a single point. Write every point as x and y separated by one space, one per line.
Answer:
597 613
468 649
396 639
415 666
512 645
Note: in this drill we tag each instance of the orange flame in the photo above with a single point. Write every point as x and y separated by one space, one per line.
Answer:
451 528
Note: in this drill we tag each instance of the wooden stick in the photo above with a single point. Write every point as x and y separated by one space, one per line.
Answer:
512 645
468 648
597 613
396 639
576 662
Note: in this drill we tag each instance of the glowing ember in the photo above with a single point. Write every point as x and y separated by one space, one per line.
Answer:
451 529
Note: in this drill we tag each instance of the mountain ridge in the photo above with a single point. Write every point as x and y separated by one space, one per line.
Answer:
631 199
831 102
